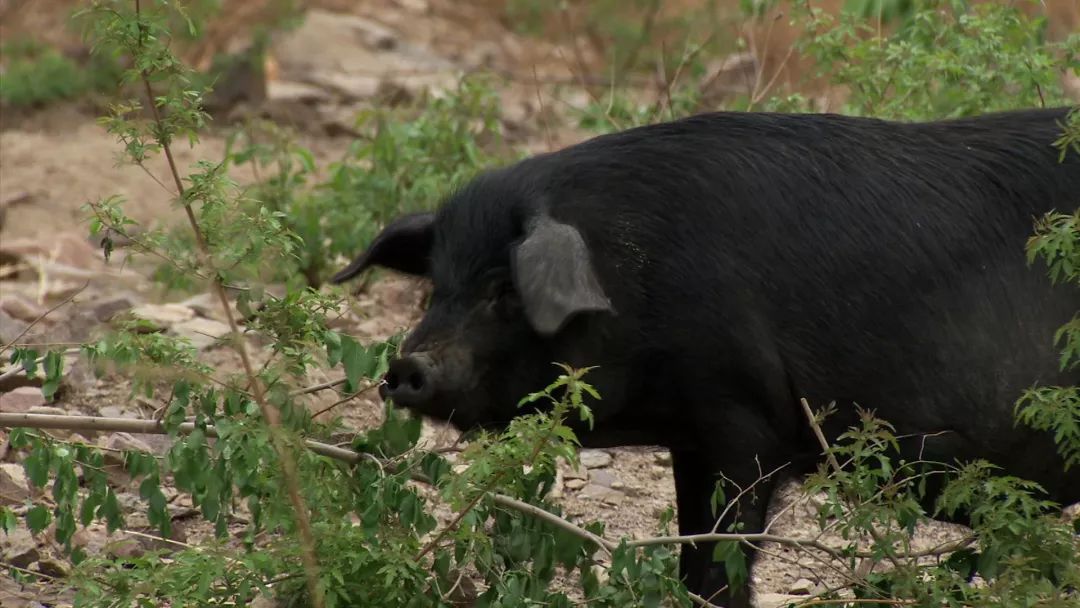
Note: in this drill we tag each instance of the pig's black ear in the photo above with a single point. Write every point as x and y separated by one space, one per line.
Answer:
404 245
554 277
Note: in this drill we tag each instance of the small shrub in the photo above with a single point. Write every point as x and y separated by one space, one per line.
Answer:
36 75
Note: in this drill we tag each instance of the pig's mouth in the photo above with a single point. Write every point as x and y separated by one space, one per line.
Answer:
437 405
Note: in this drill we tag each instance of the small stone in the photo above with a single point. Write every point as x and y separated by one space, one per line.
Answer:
22 308
10 327
53 568
803 586
578 473
617 485
658 472
420 7
603 478
594 459
662 458
598 492
163 315
575 484
203 333
284 90
205 305
67 248
18 548
349 87
106 309
615 498
21 400
14 487
125 441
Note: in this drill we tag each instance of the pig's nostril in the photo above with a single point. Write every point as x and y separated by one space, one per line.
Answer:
410 380
416 381
392 381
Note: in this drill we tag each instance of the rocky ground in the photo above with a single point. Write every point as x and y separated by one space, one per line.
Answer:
343 57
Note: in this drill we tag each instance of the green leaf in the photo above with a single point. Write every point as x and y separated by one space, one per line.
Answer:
8 521
731 554
54 368
38 518
37 464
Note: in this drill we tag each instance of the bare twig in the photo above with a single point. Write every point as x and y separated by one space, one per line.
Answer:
25 571
518 505
318 387
734 501
146 427
819 435
693 539
346 399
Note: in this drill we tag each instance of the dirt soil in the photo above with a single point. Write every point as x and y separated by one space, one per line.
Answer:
55 160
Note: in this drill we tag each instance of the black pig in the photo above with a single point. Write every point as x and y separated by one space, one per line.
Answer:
720 267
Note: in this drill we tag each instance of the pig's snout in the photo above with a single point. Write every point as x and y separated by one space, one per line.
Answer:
410 381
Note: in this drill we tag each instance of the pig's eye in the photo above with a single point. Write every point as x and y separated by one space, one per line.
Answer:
500 297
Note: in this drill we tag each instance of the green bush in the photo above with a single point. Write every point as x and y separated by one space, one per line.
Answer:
947 59
404 159
35 75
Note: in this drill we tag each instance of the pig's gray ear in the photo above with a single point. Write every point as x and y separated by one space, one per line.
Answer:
554 277
404 245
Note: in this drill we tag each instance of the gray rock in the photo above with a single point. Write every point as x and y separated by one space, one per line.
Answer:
803 586
205 304
603 478
357 57
602 493
663 458
106 309
14 486
594 459
286 91
615 498
161 316
22 308
203 333
349 86
19 548
52 567
9 328
21 400
575 484
125 441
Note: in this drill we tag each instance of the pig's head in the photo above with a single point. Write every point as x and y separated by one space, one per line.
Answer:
510 283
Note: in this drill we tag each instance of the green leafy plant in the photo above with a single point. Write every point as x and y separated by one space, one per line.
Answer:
36 74
948 59
405 159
